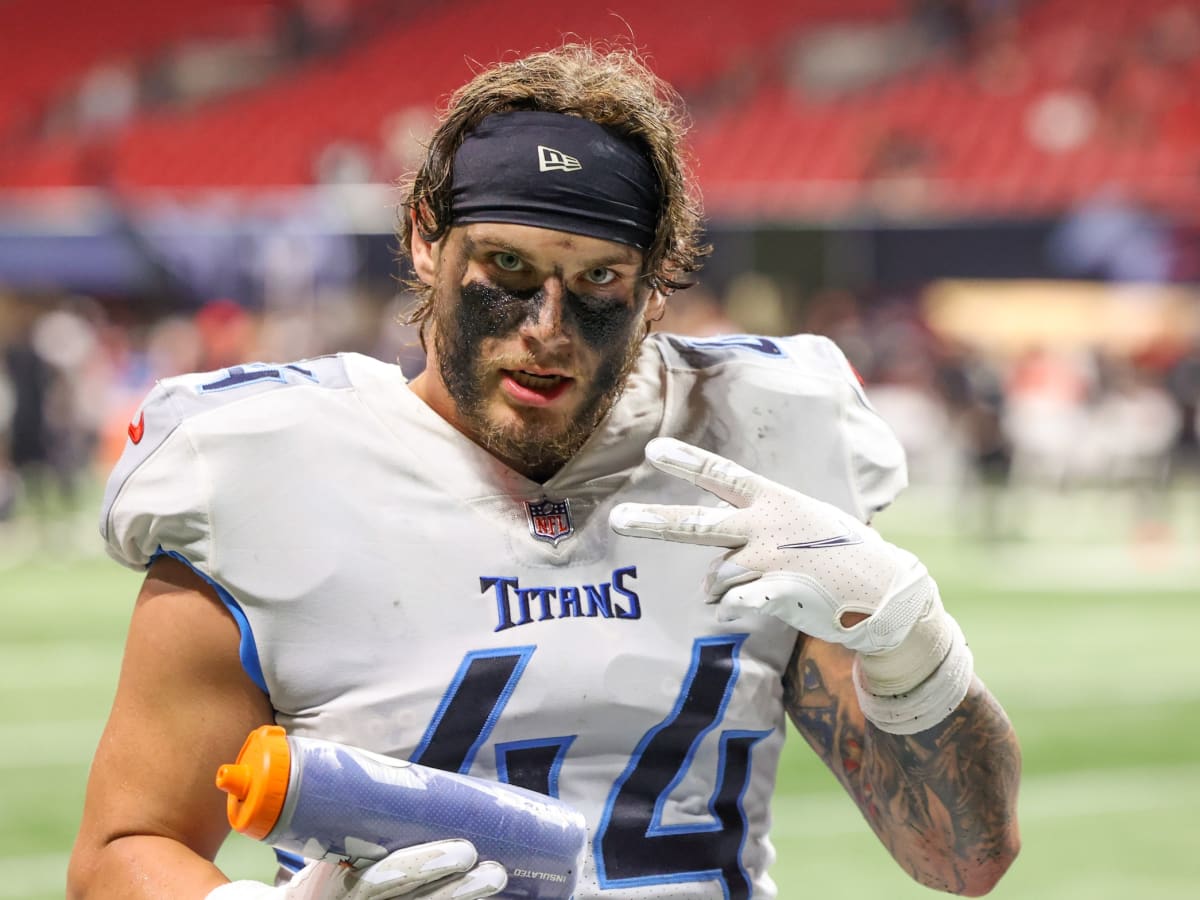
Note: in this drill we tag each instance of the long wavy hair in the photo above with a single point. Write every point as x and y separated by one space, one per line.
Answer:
611 86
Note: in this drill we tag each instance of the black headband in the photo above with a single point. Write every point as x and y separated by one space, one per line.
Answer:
555 171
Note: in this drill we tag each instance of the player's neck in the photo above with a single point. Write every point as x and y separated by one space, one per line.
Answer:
433 394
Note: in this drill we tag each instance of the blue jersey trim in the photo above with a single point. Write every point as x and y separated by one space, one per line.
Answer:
752 342
247 650
291 861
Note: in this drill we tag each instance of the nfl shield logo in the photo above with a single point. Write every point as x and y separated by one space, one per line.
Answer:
550 520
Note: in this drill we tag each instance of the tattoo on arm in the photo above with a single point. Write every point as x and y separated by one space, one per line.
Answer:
942 801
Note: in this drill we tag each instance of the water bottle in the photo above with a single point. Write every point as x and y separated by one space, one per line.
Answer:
324 800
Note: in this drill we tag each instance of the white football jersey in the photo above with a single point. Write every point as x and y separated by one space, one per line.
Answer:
399 589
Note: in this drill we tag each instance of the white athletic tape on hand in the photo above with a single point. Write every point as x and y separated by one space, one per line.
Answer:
926 643
929 702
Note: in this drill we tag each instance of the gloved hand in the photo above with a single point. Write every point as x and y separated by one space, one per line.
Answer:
440 870
816 568
791 556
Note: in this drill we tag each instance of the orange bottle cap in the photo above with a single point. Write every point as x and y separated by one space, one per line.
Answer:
257 783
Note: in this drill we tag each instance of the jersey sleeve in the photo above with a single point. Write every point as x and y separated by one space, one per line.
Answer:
875 458
198 434
792 409
156 499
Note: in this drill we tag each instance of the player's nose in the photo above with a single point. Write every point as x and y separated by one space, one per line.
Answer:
546 322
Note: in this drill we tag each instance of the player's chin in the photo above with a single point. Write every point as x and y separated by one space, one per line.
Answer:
518 424
534 423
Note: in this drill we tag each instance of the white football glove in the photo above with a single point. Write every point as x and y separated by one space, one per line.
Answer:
440 870
822 572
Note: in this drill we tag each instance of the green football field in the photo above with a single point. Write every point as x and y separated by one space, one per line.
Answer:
1083 625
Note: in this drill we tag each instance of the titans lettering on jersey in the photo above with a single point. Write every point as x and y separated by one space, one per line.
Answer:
518 605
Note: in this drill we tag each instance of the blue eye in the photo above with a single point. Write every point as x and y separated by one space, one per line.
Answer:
509 262
600 275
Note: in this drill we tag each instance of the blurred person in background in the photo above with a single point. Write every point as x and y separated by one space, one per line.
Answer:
1182 380
50 435
972 388
327 544
9 482
904 388
1048 391
226 332
1137 423
30 377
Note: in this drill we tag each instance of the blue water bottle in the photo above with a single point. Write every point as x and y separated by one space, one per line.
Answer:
325 800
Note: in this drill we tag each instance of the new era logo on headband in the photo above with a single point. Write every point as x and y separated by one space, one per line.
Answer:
551 160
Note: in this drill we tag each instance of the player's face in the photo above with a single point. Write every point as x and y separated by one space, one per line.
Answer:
532 335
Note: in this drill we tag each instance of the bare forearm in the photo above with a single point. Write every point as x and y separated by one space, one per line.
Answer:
943 801
141 867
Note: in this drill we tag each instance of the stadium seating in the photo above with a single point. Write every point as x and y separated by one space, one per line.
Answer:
56 43
271 136
1031 114
974 144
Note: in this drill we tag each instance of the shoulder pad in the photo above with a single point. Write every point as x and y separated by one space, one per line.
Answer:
806 368
174 400
807 354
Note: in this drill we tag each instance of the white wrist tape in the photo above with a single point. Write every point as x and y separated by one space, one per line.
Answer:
920 682
889 673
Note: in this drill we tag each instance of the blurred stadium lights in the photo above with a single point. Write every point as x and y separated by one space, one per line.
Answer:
1009 317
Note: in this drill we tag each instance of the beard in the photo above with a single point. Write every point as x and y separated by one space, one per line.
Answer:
540 442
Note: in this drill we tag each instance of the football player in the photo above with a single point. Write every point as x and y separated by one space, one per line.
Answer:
601 564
